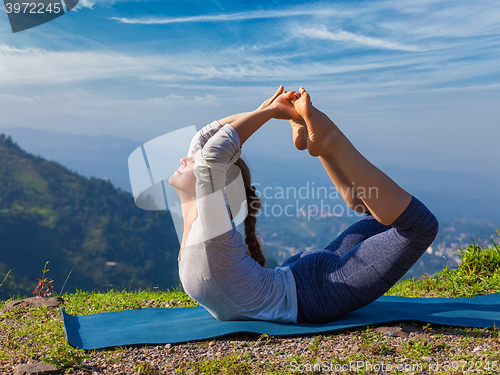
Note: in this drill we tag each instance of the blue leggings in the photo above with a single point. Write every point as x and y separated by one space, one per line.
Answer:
360 265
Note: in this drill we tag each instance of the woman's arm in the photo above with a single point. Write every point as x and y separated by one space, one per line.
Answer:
265 104
230 119
279 108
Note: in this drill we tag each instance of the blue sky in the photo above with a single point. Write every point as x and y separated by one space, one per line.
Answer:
410 82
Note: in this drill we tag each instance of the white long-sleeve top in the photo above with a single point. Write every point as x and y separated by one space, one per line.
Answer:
215 269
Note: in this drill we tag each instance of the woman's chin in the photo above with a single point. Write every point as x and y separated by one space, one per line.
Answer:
171 180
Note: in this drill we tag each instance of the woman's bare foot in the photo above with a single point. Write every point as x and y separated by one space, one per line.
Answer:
320 129
299 128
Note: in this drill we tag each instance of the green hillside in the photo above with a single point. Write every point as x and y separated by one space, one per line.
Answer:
48 213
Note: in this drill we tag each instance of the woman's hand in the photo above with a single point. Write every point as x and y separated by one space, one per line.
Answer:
283 107
269 101
299 127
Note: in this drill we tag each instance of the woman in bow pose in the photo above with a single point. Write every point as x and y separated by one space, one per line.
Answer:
229 279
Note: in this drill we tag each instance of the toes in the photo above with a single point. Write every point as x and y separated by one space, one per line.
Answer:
281 89
290 95
307 101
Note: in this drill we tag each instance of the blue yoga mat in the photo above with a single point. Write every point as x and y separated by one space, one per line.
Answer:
156 326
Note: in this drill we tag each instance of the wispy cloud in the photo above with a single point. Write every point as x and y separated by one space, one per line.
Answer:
206 100
227 69
83 4
286 53
170 100
493 86
346 36
240 16
19 98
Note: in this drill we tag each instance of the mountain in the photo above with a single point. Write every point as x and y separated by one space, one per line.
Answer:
103 157
48 213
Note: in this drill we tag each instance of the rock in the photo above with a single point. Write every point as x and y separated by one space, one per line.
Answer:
37 301
355 348
365 350
392 331
399 332
40 368
382 330
427 359
410 327
417 336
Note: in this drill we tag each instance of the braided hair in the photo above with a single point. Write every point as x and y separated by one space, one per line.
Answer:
253 206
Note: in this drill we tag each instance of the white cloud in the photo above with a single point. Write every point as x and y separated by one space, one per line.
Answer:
221 70
19 98
83 4
208 100
285 54
424 18
493 86
346 36
250 15
169 100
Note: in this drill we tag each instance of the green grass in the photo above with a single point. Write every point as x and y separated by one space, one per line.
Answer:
84 303
477 274
37 334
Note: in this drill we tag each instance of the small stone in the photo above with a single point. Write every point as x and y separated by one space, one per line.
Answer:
171 350
418 336
389 333
37 301
409 327
365 350
168 346
382 330
427 359
355 348
39 368
211 343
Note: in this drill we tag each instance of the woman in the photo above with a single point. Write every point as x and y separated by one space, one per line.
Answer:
315 286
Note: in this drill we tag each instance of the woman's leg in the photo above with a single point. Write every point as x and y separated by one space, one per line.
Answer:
358 232
330 285
381 195
352 236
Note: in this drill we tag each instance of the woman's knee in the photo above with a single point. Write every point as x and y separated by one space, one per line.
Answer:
426 230
431 227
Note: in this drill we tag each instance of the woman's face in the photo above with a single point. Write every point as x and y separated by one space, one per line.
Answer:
183 180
